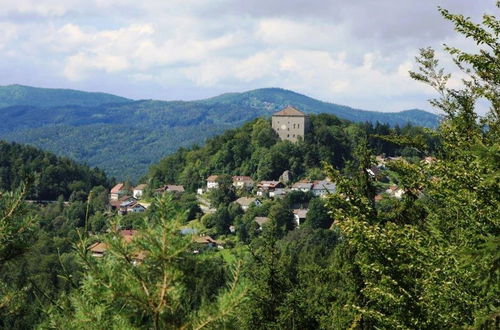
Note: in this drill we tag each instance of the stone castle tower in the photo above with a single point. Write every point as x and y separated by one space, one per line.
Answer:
290 123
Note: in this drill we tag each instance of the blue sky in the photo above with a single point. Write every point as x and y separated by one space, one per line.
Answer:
355 52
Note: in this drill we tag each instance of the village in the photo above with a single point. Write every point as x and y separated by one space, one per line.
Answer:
290 124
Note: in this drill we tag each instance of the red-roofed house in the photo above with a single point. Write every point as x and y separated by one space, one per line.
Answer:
117 191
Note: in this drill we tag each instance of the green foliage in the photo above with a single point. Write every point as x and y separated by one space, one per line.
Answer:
225 193
146 283
317 216
52 176
17 227
431 259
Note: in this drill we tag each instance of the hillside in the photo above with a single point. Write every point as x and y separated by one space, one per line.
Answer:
50 97
49 176
124 138
255 150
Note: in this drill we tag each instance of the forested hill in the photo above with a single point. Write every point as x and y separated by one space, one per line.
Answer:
12 95
125 138
48 176
269 100
255 150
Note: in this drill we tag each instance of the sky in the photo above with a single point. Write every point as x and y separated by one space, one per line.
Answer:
350 52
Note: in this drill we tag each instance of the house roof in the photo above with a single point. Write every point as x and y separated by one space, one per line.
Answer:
128 203
117 188
128 234
121 200
261 220
290 111
212 178
269 184
98 247
172 187
135 205
203 239
245 201
101 247
142 186
301 213
302 185
242 178
324 184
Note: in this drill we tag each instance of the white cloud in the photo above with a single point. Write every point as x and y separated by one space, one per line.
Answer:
355 53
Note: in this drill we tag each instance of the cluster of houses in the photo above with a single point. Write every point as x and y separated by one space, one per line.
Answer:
274 189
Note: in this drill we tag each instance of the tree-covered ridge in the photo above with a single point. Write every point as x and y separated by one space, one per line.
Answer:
255 150
124 138
47 175
13 95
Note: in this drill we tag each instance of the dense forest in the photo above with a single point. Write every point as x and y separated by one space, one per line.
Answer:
48 177
426 260
124 137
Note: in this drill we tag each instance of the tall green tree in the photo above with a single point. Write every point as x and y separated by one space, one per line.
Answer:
433 262
147 283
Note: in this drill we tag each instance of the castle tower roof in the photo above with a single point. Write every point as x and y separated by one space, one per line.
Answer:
290 111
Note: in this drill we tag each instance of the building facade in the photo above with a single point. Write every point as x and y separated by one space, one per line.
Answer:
290 123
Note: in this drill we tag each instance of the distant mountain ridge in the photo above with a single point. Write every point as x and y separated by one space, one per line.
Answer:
12 95
125 136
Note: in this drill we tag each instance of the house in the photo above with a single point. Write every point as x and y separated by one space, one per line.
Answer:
204 242
303 185
299 216
261 221
290 124
212 182
394 191
246 202
264 187
323 187
117 191
139 190
171 188
242 182
278 192
99 249
135 208
116 204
